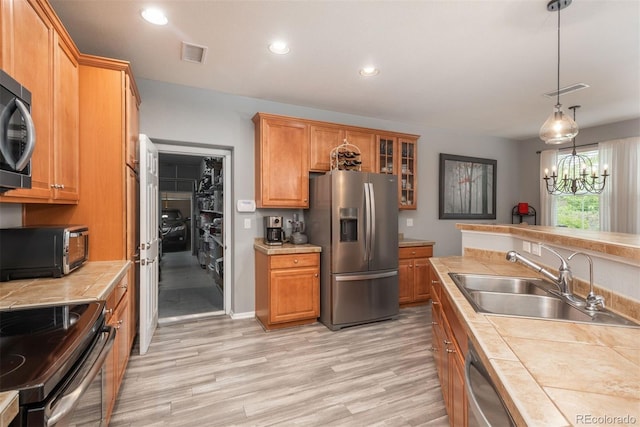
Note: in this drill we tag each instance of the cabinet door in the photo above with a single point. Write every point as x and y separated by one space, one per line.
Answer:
407 172
323 140
132 113
421 279
122 336
27 37
66 121
366 142
386 149
282 175
405 280
294 294
457 393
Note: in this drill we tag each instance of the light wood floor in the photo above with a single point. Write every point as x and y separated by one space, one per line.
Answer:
223 372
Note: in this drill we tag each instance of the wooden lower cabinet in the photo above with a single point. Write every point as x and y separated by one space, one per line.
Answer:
449 348
118 316
287 289
413 275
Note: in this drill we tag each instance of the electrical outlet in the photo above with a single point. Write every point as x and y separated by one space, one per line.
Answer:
409 222
535 249
526 246
247 223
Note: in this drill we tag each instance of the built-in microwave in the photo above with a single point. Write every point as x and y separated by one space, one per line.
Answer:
42 251
17 134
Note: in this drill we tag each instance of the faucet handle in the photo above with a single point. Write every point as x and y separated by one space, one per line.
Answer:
593 301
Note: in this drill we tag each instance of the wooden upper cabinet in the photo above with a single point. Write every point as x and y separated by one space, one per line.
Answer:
38 53
288 148
324 138
366 142
66 145
282 162
133 131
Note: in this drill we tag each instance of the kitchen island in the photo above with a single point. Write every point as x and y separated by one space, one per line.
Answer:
551 373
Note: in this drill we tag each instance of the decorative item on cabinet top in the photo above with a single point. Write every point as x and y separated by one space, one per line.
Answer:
345 156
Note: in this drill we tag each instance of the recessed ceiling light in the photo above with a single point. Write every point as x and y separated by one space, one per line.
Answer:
154 16
279 48
369 71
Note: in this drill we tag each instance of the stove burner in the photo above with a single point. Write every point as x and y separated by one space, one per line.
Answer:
10 363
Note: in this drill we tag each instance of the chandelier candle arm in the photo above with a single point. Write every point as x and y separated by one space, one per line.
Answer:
579 176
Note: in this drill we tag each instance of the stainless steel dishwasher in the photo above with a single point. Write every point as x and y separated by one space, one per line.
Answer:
485 405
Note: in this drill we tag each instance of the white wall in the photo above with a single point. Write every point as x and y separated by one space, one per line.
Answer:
179 113
530 161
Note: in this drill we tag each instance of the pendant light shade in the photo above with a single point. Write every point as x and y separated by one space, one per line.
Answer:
559 127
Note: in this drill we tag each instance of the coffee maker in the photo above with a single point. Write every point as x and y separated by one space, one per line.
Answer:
273 232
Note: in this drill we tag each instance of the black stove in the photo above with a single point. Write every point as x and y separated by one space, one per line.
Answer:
40 346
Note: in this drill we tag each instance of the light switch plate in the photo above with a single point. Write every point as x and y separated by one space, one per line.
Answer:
526 246
409 222
247 223
535 249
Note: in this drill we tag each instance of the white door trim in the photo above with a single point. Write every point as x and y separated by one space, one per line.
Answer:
204 151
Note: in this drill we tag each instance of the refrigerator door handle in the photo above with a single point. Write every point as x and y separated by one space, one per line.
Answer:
372 207
357 277
367 222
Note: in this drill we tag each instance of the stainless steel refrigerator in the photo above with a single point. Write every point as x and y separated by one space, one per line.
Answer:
353 216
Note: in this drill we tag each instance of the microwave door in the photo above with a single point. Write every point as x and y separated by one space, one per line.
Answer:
25 151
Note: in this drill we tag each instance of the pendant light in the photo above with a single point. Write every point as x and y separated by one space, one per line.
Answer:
559 127
575 174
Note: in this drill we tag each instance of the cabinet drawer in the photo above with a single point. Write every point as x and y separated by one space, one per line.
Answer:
117 293
294 260
416 252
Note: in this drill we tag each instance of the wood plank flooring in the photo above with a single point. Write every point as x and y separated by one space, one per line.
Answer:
223 372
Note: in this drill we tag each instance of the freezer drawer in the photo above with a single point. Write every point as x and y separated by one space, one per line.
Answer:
362 298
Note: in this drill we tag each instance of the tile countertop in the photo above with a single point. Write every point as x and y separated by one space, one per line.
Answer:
288 248
621 244
8 407
93 281
550 373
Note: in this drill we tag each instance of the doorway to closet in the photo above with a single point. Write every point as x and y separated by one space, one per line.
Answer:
194 199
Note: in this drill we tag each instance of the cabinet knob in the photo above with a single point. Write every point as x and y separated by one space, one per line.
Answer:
446 342
435 303
315 275
434 323
295 261
410 265
108 311
434 282
450 350
432 349
413 252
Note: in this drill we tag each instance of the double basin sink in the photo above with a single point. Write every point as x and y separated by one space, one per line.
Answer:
527 297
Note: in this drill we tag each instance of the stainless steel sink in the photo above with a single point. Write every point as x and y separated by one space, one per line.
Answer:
547 307
527 297
511 285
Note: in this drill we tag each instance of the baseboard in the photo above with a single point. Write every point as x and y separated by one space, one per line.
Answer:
245 315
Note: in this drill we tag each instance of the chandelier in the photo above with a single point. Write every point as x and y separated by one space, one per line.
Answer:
575 173
558 128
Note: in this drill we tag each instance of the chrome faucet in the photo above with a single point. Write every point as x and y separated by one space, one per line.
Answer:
593 300
564 280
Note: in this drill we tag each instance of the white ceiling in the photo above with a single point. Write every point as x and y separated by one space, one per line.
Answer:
478 66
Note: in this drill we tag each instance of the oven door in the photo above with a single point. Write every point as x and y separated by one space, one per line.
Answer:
80 401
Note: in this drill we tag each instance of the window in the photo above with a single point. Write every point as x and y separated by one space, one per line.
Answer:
581 210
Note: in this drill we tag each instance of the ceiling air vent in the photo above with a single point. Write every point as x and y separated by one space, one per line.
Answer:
193 52
566 90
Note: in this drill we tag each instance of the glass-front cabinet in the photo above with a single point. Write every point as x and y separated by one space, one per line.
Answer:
397 156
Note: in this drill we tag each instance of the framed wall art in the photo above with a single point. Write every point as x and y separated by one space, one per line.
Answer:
467 187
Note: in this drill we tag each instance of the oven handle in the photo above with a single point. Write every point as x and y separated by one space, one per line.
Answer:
63 405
